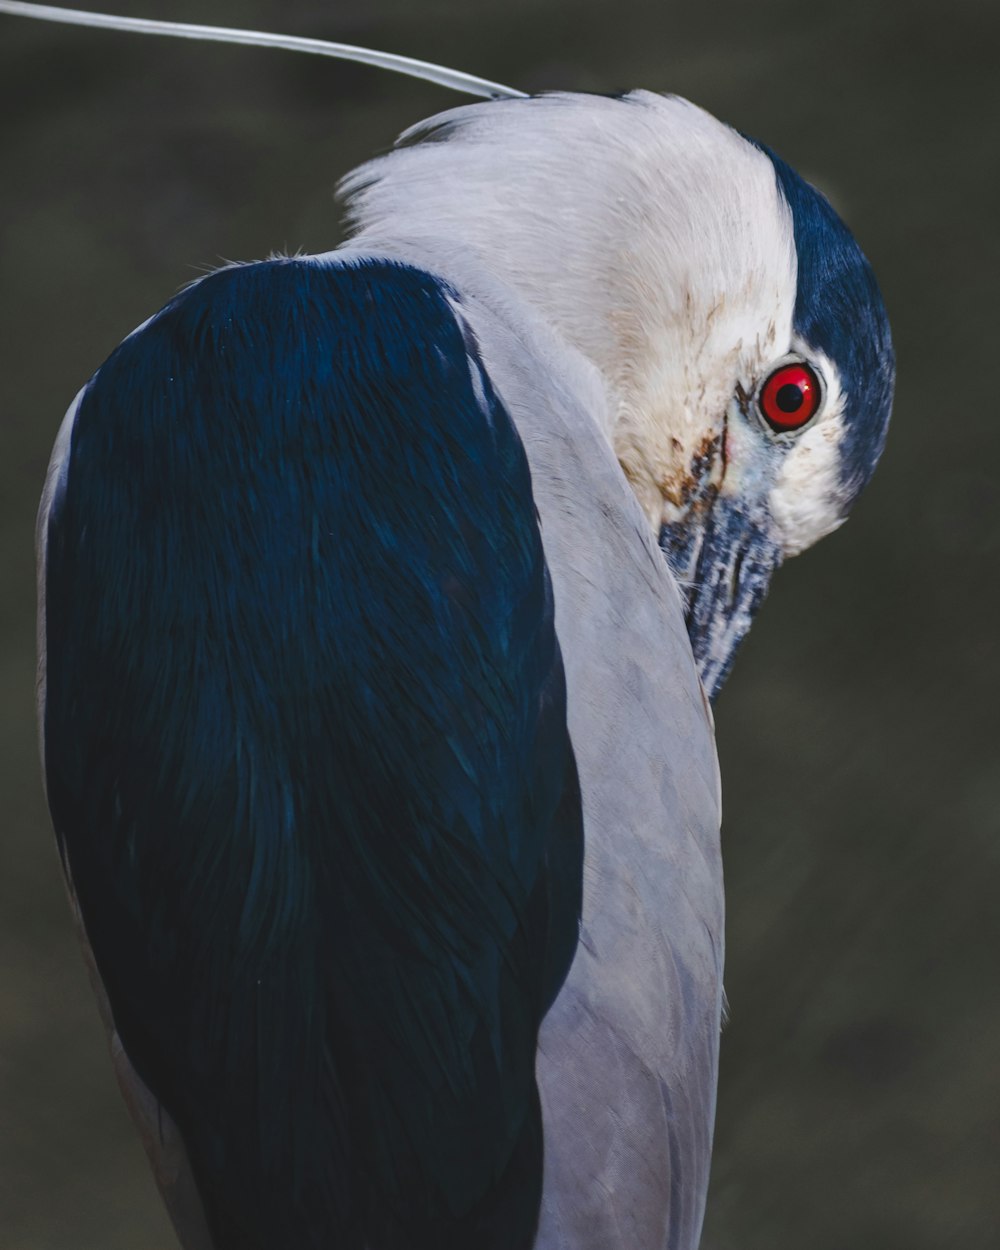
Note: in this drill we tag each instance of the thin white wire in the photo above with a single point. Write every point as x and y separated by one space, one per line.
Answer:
444 77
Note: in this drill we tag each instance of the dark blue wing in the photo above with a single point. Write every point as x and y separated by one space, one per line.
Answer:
307 755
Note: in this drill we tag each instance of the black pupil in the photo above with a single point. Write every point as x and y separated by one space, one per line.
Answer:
789 397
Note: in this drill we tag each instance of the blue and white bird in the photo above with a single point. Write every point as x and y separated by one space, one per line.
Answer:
380 591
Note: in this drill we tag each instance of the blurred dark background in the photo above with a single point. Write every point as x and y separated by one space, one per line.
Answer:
860 1094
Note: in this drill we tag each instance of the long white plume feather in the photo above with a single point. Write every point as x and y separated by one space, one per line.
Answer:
454 79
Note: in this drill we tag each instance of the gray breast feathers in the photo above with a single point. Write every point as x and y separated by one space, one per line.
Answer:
628 1054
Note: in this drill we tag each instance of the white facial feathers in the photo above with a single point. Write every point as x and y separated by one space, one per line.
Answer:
655 241
806 499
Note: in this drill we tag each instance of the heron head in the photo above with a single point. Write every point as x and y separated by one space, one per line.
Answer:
736 326
792 430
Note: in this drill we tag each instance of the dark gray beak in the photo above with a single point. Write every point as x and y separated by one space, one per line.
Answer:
723 559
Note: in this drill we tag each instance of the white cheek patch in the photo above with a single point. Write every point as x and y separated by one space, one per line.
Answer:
806 500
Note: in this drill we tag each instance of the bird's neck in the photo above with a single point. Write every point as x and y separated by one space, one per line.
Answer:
646 233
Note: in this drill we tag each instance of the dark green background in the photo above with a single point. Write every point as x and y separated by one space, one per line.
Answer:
860 1095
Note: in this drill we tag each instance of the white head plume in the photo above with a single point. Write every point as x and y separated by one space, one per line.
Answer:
453 79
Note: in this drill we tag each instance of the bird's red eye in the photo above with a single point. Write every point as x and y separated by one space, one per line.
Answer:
790 396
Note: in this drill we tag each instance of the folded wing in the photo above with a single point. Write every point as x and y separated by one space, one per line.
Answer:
304 726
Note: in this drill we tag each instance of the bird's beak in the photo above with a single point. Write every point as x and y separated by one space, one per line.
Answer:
723 560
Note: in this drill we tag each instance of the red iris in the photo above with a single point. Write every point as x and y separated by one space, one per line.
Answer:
790 397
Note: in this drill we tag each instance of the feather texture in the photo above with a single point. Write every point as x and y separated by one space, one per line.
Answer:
307 756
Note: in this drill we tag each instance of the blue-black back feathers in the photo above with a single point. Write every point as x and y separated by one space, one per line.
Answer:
307 755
